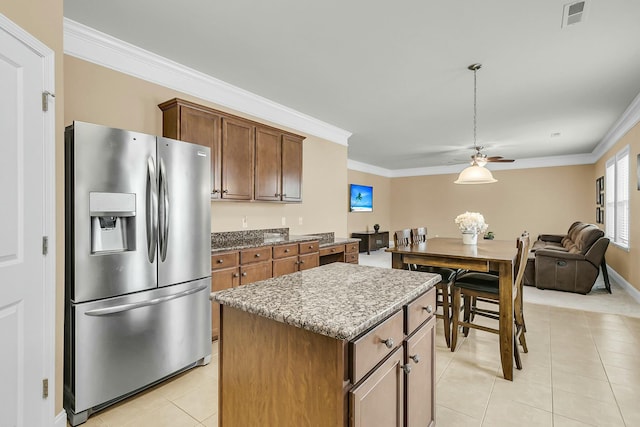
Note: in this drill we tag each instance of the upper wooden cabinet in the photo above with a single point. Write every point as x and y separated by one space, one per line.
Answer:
249 161
237 159
278 172
189 122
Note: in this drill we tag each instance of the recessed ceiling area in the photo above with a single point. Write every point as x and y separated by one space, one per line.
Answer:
395 74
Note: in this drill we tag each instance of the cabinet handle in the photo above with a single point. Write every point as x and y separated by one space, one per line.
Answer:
388 342
310 246
406 369
277 195
286 250
428 308
257 255
214 191
236 275
220 261
244 273
333 250
225 191
415 358
301 262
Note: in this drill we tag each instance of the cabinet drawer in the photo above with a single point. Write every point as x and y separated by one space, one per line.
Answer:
255 255
368 350
419 310
352 248
283 251
332 250
351 258
224 260
308 261
308 247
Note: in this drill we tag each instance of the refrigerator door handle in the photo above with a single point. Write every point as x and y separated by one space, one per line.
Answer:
132 306
152 209
164 211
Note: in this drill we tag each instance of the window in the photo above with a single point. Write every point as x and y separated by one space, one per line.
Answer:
617 198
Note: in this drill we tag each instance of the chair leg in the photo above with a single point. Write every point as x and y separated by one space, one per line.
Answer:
467 314
446 314
516 354
455 313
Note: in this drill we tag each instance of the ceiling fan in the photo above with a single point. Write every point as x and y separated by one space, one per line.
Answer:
482 159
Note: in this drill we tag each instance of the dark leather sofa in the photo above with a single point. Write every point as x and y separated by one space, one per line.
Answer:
568 262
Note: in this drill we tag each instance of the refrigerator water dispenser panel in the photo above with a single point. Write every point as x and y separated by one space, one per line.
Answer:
113 222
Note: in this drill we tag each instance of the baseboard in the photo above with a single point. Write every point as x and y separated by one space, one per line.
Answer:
628 287
61 419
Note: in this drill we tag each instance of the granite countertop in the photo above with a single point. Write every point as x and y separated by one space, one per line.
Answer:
337 300
273 241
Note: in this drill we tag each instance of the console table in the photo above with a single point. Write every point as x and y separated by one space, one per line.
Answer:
371 240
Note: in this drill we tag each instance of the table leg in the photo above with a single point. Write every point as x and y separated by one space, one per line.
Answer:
396 261
506 319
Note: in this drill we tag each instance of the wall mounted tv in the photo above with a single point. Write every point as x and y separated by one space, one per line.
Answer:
360 198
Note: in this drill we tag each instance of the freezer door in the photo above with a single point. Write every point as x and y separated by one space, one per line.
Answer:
111 220
184 212
120 345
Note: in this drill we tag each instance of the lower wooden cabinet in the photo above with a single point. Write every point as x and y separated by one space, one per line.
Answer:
236 268
379 400
419 361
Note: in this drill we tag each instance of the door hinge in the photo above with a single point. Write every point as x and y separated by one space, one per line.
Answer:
45 99
45 245
45 388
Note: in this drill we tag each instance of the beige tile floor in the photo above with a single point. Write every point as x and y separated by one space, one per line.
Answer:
581 370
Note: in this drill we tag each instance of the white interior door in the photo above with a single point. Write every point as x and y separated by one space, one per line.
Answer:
25 216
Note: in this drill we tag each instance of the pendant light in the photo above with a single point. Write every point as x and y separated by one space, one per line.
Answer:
476 173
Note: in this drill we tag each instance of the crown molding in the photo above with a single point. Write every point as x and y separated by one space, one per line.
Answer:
367 168
99 48
624 124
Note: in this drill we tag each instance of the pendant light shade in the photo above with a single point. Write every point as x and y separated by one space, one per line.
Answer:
476 173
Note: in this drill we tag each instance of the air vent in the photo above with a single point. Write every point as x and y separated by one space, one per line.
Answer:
574 13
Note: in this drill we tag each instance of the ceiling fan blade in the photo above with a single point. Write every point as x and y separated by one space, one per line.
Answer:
494 158
500 160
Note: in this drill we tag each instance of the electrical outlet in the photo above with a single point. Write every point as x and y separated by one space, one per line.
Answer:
299 220
284 220
244 222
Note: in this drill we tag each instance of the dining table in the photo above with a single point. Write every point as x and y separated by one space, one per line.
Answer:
486 255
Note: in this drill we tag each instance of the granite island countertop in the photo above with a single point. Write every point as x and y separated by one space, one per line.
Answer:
337 300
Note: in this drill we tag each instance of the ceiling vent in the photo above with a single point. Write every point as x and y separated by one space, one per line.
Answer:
574 13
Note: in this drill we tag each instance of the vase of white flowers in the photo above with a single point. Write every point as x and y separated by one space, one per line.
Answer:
471 224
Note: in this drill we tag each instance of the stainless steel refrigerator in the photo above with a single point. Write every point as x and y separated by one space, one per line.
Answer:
138 263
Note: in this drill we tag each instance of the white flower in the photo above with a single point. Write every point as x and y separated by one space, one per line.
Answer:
471 221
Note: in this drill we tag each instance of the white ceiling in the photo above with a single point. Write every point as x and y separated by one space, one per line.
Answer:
395 74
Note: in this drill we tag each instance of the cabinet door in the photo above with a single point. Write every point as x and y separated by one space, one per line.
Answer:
379 400
309 261
420 356
202 127
237 159
254 272
268 165
221 279
291 168
285 266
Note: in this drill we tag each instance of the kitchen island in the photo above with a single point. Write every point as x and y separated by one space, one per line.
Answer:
335 345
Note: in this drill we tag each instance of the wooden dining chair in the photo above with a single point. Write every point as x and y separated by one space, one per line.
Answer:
443 299
402 237
485 286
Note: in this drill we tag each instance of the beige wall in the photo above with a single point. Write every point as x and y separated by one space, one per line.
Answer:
100 95
363 221
540 200
625 262
43 20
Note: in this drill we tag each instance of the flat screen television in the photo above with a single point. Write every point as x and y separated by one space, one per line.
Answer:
360 198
